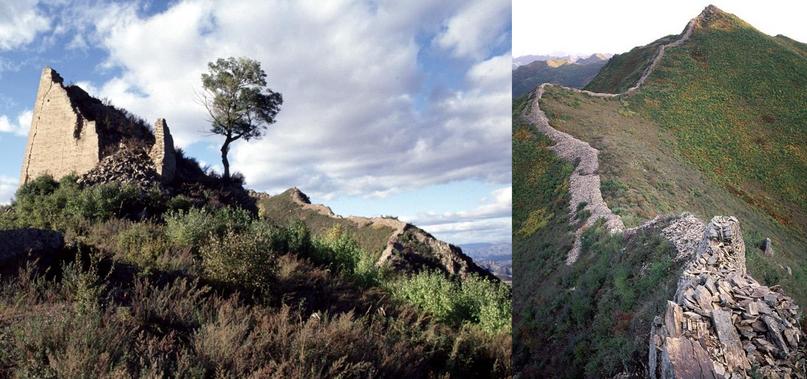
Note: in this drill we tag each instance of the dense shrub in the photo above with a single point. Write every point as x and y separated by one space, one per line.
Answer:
193 227
145 245
473 300
339 250
44 203
245 259
183 329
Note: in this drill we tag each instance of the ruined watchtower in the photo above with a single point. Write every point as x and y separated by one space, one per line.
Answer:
72 131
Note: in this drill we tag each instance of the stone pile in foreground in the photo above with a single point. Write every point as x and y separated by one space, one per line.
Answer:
126 166
723 323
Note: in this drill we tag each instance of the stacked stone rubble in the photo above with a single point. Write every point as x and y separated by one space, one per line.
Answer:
723 323
127 166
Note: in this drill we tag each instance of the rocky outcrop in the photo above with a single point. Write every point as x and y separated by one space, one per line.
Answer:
408 248
72 132
722 322
18 243
412 249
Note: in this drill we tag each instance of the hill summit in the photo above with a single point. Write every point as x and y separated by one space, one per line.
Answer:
705 121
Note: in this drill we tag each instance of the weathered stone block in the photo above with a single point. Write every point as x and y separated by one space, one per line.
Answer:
162 152
61 140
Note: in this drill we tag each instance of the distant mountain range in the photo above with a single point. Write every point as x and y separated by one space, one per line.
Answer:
572 71
494 257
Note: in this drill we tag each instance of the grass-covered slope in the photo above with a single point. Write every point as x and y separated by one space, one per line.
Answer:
623 70
527 77
734 100
149 286
541 232
586 320
717 129
283 209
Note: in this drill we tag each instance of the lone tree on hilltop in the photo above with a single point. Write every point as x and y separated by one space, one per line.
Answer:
240 104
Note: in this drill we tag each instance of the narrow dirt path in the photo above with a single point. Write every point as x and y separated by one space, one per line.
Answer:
584 183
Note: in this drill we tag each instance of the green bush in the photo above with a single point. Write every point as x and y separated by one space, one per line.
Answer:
248 260
193 227
340 251
299 237
474 300
143 244
44 203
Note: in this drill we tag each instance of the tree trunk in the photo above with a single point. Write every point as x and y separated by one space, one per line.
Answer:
224 162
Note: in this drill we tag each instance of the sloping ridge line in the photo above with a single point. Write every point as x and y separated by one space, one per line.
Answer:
584 183
398 226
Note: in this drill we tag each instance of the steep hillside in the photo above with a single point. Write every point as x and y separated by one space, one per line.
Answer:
395 244
145 265
706 141
623 70
711 122
569 73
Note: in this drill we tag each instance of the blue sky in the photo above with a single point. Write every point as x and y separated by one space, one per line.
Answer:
395 108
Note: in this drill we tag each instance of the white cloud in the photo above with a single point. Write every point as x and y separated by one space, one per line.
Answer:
8 186
488 222
20 22
349 75
20 127
475 27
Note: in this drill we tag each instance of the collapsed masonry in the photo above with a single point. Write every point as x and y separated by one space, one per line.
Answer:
723 323
72 132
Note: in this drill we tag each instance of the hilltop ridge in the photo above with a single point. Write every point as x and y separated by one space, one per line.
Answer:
663 129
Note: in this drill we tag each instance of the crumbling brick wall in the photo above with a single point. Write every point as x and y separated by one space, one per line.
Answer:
61 139
72 131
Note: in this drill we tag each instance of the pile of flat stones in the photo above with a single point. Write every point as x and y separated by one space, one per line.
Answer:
723 323
126 166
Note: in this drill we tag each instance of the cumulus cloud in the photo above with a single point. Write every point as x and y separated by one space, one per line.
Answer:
476 26
19 126
350 77
8 186
488 222
20 22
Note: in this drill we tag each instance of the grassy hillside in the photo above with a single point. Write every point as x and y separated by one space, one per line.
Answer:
282 209
624 70
148 286
527 77
541 232
734 99
644 175
717 129
591 319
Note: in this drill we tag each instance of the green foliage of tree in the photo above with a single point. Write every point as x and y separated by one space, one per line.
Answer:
239 102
